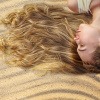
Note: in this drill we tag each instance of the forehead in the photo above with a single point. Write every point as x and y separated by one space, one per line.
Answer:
89 28
93 30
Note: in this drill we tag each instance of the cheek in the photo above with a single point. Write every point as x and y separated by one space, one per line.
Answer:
85 37
81 55
85 57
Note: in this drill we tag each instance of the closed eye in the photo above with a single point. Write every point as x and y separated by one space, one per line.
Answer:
81 50
81 47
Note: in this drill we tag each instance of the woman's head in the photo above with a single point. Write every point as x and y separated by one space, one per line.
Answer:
87 36
42 34
87 39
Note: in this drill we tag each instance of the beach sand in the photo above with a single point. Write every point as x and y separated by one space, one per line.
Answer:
21 84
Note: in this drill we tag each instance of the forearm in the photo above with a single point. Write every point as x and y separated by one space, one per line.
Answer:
83 5
56 2
72 5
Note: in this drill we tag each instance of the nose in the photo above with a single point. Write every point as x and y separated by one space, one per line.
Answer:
77 39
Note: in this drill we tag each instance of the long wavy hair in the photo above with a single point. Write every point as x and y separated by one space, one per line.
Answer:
41 37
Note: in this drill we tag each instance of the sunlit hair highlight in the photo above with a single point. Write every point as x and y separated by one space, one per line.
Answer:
41 34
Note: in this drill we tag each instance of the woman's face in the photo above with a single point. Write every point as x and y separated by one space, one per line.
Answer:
87 39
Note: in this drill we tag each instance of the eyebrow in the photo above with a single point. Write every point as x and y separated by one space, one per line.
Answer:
87 63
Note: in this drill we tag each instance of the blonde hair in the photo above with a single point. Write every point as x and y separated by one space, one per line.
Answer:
41 34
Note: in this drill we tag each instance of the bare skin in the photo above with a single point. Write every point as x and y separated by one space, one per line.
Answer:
88 35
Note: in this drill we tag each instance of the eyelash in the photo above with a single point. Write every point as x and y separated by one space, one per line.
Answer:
81 45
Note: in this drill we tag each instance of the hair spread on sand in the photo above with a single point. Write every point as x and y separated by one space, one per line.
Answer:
41 37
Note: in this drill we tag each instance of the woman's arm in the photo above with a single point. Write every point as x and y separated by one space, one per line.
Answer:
81 6
56 2
73 5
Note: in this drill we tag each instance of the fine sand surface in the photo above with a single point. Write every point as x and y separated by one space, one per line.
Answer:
20 84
